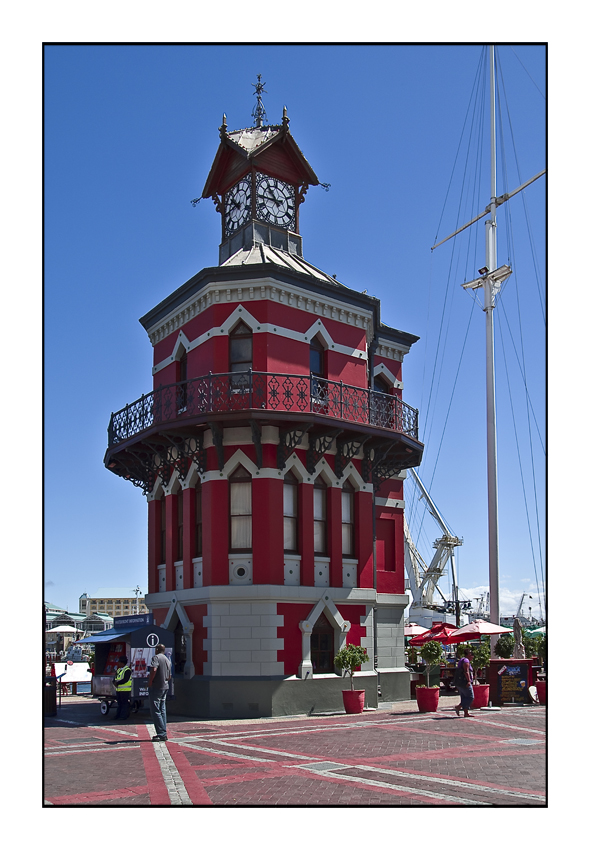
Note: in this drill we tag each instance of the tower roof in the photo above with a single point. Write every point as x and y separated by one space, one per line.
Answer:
271 149
261 253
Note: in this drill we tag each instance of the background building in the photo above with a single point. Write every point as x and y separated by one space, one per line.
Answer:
114 601
272 452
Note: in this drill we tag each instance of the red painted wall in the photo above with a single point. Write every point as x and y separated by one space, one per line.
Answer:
364 529
290 632
305 530
189 536
354 614
215 517
171 540
267 531
195 614
334 512
154 514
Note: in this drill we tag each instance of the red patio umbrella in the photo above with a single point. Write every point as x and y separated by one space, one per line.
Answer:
413 630
475 630
439 631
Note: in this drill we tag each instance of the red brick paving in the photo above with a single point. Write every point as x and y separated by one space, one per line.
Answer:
390 757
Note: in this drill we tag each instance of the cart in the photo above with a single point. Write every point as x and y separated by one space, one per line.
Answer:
137 638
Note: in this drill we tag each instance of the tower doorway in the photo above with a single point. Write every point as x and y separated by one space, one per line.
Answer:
322 646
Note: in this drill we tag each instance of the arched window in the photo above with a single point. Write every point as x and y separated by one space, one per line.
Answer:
319 517
181 378
381 385
240 351
316 357
240 500
290 513
322 646
319 387
347 520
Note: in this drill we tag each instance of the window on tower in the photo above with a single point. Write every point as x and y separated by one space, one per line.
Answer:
290 513
240 497
319 387
240 354
347 520
181 390
319 517
381 385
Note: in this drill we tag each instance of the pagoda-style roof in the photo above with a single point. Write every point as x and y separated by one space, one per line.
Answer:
260 254
270 149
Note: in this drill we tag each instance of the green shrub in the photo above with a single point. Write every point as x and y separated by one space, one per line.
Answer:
350 659
461 650
504 646
432 653
531 645
481 656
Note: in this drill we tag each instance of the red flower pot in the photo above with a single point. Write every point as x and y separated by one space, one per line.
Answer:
354 701
427 698
541 686
481 696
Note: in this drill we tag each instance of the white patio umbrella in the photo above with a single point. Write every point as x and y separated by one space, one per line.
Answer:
475 630
62 629
413 629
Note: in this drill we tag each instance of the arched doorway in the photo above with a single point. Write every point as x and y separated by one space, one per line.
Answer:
322 646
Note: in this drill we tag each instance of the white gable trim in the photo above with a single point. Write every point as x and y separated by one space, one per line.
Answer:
381 369
243 314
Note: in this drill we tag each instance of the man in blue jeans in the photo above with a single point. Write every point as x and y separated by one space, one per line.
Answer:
160 673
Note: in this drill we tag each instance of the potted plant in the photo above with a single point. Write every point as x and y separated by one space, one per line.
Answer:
427 697
349 659
481 692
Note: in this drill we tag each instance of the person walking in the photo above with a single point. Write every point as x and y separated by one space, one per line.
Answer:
122 683
160 674
464 683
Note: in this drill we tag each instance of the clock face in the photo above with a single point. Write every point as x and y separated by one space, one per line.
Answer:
275 201
238 204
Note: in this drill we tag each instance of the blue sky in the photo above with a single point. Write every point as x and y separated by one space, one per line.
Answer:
130 134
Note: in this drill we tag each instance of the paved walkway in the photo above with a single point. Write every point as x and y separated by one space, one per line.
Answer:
393 756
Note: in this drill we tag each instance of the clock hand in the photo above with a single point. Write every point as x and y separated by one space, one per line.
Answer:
273 200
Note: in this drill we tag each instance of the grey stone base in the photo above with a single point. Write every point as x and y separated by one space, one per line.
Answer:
394 685
232 697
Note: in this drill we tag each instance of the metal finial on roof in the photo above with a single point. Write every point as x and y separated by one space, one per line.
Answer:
259 112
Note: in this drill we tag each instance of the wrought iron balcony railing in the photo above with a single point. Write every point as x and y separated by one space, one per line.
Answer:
237 391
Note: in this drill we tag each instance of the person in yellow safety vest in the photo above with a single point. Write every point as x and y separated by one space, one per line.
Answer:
122 683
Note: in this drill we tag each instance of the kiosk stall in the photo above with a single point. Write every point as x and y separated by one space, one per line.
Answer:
136 637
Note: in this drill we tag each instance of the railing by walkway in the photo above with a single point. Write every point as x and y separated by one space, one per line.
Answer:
229 392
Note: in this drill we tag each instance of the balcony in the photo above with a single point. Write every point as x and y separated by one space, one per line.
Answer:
165 427
262 391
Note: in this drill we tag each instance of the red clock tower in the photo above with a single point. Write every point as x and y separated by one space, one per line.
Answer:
271 451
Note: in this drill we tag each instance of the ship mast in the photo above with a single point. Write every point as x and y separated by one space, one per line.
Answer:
491 281
490 291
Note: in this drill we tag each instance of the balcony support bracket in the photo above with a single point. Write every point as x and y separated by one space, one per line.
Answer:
289 439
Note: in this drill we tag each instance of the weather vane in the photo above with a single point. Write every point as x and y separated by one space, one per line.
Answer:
259 112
